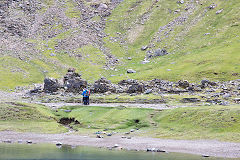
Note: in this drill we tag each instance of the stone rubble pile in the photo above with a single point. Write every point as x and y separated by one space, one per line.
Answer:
212 92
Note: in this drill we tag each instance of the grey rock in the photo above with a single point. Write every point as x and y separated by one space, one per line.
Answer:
205 156
219 11
212 6
136 88
99 136
58 144
160 52
190 100
159 150
115 146
7 141
131 71
51 85
67 111
183 83
148 91
181 1
145 62
73 81
102 7
144 48
224 103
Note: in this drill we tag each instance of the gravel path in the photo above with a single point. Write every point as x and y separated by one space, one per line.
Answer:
129 105
199 147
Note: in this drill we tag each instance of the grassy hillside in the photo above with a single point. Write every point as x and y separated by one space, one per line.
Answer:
195 54
28 118
201 43
215 122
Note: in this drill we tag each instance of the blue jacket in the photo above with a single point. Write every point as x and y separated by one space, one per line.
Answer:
85 93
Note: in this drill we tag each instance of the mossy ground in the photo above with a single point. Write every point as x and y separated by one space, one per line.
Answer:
205 122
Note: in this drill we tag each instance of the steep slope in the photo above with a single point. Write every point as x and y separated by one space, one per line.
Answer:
202 38
43 38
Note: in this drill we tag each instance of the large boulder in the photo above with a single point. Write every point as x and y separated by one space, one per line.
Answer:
75 85
73 81
103 85
183 84
136 88
207 83
51 85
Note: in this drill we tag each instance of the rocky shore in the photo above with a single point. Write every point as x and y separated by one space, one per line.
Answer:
204 148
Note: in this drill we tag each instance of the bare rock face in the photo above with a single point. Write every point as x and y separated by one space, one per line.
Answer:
73 81
51 85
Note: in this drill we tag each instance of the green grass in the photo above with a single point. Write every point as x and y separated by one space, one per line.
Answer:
195 56
24 117
71 10
215 56
205 122
221 123
215 122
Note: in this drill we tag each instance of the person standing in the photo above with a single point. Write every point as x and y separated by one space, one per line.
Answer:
86 94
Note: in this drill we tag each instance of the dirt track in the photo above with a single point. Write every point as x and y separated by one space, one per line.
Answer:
200 147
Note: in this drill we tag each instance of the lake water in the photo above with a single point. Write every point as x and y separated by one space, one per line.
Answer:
51 152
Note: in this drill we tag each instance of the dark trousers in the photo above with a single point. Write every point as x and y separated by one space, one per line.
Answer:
86 100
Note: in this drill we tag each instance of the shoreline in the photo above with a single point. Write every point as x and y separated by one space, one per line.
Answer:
210 148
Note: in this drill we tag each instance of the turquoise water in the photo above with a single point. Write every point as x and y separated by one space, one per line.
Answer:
51 152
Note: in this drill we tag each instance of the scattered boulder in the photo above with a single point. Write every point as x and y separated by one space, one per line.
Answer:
99 136
160 52
58 144
180 2
148 91
136 88
144 48
102 86
131 71
190 100
212 6
219 11
205 83
183 84
102 7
